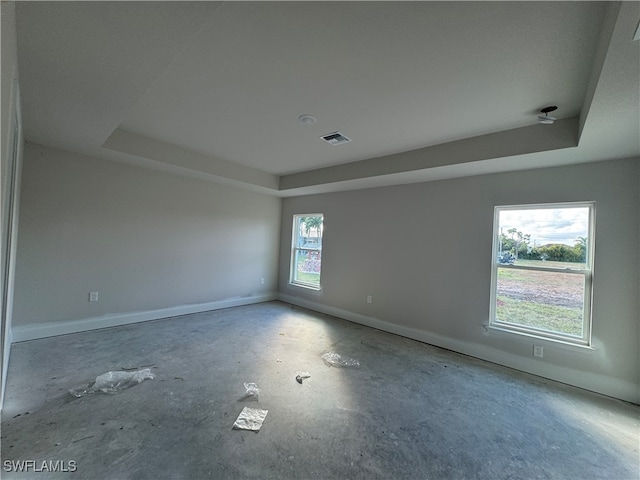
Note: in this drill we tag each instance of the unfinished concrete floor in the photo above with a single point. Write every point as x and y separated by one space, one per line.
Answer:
409 411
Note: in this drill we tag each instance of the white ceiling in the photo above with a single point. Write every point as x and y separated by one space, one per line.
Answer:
424 89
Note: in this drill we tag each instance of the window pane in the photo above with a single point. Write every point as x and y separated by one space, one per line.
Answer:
307 268
547 237
551 301
307 250
309 232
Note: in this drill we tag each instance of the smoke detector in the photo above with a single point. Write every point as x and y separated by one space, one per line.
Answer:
335 138
546 119
307 119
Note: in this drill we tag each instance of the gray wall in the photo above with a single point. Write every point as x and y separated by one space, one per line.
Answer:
11 144
423 252
149 240
145 240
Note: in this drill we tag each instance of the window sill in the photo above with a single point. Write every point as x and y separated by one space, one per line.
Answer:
555 341
307 287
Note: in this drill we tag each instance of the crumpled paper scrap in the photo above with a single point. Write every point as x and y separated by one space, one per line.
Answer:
250 419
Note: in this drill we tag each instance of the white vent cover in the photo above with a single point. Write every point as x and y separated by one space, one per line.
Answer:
335 138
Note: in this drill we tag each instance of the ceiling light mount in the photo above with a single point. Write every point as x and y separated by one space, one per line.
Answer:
307 119
546 119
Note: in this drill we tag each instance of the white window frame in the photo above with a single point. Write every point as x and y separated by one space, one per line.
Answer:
295 249
587 272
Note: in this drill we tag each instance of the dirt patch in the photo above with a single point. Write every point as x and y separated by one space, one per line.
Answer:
549 288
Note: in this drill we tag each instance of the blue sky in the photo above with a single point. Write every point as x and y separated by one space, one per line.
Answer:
546 225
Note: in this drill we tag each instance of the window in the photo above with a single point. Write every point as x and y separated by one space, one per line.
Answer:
542 271
306 254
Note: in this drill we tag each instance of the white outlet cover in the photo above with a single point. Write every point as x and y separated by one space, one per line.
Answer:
538 351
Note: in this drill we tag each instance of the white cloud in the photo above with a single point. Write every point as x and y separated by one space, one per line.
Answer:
548 225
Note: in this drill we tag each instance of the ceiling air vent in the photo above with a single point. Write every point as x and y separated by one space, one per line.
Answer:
335 138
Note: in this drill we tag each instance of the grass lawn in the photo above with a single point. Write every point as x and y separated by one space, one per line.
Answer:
313 278
538 315
546 300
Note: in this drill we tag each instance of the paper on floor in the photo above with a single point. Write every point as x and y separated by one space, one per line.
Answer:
250 419
252 391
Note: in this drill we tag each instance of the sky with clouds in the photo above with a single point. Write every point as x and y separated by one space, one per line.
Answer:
548 225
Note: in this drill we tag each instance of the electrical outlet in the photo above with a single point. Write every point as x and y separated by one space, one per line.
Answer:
368 298
262 281
538 351
93 296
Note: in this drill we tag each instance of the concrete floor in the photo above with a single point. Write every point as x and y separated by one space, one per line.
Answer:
409 411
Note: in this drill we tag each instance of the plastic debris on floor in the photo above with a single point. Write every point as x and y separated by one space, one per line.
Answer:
300 375
250 419
129 369
252 391
334 359
114 382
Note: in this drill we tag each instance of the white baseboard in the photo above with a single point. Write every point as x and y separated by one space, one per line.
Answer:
606 385
50 329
